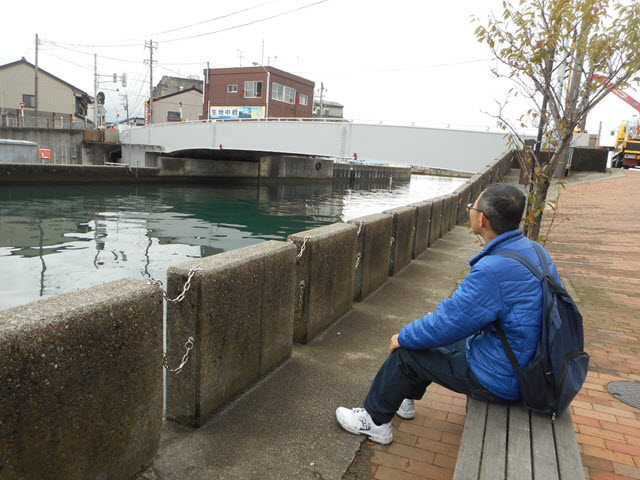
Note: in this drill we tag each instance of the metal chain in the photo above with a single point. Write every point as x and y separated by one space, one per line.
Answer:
392 240
301 294
185 358
358 257
413 231
185 288
304 245
360 224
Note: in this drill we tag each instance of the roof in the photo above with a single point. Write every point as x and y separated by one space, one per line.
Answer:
179 93
25 62
326 103
260 69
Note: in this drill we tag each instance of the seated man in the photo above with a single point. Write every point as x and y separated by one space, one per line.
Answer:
457 346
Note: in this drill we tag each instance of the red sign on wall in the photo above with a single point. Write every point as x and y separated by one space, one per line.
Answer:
146 113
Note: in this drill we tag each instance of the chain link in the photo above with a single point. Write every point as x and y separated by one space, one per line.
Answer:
304 245
301 295
358 257
413 231
360 224
185 358
392 240
185 288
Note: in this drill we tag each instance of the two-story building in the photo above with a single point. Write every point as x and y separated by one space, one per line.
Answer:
58 102
256 92
178 106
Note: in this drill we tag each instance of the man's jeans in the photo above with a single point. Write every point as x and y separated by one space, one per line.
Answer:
408 373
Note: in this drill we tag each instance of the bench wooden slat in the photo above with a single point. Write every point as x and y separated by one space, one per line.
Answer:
495 443
519 447
545 462
566 442
470 453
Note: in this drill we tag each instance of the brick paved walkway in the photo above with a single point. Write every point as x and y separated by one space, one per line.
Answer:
596 246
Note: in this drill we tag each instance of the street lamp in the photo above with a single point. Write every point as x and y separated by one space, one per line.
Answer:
268 82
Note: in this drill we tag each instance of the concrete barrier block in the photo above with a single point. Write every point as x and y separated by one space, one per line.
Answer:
423 221
485 175
455 205
464 198
476 187
437 205
239 310
325 277
81 377
445 219
402 232
374 238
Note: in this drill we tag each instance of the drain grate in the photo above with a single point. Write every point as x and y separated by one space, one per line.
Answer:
627 392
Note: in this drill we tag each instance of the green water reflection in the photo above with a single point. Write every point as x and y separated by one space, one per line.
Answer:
57 239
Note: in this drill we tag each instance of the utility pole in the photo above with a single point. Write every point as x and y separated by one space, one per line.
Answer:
36 83
151 45
321 104
95 90
125 104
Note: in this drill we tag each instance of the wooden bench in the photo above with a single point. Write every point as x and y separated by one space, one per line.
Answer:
511 442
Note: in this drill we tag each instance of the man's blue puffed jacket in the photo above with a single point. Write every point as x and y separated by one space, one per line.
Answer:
498 288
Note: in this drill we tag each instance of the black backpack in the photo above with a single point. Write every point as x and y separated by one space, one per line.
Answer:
559 367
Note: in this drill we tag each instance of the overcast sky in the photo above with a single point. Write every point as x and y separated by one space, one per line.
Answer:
410 61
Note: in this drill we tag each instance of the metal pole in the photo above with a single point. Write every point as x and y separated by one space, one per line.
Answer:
268 82
151 81
95 90
36 83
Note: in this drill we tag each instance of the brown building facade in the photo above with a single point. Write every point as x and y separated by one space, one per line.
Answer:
242 93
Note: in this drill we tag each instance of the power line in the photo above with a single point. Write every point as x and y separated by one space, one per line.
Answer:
121 43
245 24
216 18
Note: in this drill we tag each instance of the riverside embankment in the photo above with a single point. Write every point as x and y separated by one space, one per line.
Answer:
69 360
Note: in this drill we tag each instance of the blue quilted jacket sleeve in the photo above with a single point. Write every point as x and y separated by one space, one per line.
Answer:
475 304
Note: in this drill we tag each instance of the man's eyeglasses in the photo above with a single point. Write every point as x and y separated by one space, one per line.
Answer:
471 207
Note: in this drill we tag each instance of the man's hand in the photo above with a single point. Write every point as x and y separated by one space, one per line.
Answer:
394 343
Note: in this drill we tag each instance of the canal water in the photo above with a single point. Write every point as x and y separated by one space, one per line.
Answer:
57 239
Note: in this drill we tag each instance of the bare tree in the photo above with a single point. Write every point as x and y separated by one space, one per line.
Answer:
556 52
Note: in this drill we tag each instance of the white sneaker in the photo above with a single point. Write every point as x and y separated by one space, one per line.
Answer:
407 409
359 422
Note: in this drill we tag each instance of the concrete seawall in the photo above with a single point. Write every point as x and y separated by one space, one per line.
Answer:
244 310
184 170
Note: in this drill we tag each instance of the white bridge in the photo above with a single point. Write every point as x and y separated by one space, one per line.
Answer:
441 148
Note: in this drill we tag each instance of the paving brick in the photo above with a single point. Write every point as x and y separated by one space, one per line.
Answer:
618 412
437 447
453 438
420 431
445 461
622 469
608 454
386 473
432 472
598 463
599 475
593 414
413 453
602 433
390 460
623 447
590 440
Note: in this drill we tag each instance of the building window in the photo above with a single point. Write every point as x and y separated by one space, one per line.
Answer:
277 92
232 88
29 100
289 95
304 100
173 117
252 89
283 94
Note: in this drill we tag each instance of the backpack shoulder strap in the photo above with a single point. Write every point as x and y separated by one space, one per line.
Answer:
524 260
540 275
